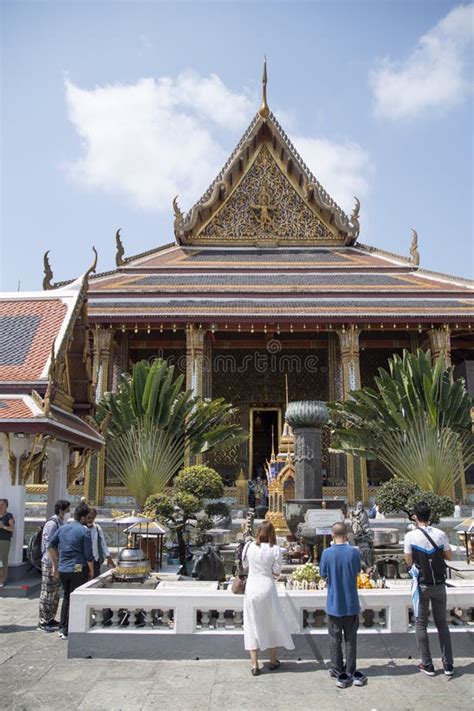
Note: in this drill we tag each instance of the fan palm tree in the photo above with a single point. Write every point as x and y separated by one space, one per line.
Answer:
153 394
144 458
416 422
151 422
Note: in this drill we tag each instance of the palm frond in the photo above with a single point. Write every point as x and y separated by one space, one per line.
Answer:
144 459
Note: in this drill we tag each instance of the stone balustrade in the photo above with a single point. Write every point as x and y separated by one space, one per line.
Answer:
108 622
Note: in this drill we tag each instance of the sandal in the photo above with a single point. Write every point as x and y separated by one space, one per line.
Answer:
255 671
275 665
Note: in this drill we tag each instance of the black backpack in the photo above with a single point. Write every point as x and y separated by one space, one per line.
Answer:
33 549
432 563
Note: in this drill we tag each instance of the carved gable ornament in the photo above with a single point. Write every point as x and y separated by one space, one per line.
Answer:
265 195
265 208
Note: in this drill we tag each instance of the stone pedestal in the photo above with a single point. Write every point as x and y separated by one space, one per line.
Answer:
306 419
308 479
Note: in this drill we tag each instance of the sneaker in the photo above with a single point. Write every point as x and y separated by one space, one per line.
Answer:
448 669
344 680
46 626
359 678
427 669
62 634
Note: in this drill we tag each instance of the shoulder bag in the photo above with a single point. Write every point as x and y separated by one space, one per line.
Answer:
240 580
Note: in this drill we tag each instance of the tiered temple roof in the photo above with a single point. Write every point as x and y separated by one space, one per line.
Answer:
324 283
45 377
266 242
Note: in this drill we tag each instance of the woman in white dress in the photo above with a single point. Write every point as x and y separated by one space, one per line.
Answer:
265 625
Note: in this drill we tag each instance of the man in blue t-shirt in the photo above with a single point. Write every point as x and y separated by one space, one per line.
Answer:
74 563
340 564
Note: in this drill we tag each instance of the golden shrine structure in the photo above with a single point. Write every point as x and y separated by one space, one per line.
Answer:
267 277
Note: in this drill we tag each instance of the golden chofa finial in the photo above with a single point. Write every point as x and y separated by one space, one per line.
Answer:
414 253
264 111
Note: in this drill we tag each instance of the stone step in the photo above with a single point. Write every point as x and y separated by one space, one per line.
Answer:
24 587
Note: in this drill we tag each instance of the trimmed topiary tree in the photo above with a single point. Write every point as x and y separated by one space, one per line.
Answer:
202 481
397 495
191 487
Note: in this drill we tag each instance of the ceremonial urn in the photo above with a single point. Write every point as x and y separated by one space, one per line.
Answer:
132 564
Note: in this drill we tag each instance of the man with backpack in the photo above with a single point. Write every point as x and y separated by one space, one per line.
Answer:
427 548
50 585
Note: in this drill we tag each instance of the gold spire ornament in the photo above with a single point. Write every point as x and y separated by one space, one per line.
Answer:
414 253
264 111
48 273
119 250
93 267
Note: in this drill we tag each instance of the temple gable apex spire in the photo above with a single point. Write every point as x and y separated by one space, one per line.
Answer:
264 111
265 195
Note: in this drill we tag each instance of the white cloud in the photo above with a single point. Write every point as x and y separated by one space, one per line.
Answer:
343 169
154 139
435 76
158 138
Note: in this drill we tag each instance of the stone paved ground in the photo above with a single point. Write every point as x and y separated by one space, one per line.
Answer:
35 674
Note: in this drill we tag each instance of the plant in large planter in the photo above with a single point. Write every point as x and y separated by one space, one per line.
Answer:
416 422
397 495
192 487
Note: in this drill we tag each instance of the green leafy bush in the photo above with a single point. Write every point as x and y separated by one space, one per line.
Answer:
201 481
397 495
217 508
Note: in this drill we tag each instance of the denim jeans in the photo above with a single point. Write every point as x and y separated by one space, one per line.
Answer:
349 624
436 594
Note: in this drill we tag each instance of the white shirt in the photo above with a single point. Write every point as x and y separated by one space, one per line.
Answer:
96 531
417 539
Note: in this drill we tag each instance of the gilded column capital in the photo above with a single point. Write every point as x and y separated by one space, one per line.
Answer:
440 340
195 336
103 340
349 342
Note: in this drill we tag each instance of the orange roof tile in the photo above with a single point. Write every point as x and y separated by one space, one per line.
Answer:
29 328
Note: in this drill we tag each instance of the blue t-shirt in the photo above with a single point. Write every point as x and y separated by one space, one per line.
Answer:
340 564
75 547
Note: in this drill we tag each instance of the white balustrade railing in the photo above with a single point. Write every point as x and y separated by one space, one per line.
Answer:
197 611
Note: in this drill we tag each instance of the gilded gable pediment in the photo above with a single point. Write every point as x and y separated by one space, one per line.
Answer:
265 195
265 208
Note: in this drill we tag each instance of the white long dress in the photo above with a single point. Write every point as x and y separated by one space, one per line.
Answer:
264 621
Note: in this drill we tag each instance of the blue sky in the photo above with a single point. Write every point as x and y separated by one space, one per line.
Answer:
111 108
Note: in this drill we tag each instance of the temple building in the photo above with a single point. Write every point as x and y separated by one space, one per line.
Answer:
46 397
266 280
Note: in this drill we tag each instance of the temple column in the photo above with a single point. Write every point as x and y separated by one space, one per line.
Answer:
20 454
58 459
12 449
350 358
195 375
119 359
103 348
337 463
440 341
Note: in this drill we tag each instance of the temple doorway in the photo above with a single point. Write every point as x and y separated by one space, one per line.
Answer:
265 428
